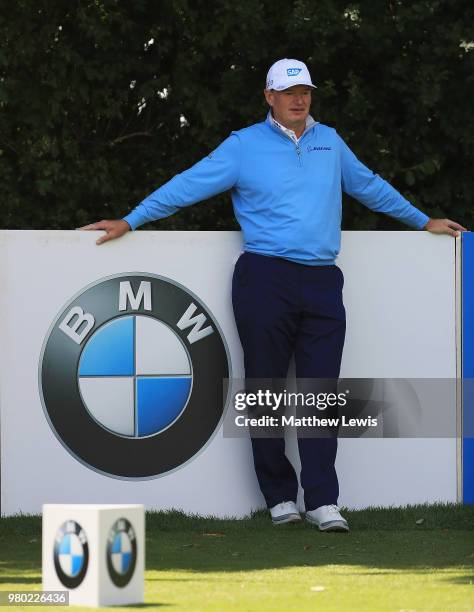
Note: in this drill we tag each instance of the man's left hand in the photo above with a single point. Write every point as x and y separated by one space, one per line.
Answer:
444 226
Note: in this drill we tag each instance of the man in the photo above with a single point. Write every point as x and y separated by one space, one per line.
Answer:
287 175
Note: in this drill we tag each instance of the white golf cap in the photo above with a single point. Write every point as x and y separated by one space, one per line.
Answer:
288 72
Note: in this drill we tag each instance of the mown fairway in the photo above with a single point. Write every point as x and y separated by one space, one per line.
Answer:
387 562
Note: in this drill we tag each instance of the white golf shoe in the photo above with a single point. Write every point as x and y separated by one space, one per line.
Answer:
327 518
285 512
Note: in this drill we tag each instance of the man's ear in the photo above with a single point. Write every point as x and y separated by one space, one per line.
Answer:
268 96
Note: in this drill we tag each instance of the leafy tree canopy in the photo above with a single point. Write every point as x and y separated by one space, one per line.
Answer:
102 101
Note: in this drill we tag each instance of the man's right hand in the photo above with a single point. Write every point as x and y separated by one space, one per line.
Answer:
113 229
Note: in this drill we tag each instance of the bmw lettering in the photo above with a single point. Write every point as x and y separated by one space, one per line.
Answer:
131 375
121 552
71 554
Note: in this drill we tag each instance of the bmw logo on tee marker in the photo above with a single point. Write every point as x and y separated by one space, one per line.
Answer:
131 375
71 554
121 552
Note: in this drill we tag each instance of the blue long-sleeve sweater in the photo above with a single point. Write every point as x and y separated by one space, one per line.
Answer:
287 197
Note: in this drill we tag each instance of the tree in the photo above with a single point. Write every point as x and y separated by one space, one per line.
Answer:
102 101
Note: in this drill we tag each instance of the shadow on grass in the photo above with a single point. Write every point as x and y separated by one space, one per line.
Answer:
414 539
16 579
157 604
461 580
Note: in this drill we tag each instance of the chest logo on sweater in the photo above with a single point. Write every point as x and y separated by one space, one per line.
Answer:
311 148
131 375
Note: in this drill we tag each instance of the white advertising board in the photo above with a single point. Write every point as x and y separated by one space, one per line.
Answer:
400 299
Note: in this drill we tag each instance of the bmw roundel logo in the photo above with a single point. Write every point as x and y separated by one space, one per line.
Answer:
132 375
121 552
71 554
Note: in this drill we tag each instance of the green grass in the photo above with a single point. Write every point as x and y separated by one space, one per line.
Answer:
387 563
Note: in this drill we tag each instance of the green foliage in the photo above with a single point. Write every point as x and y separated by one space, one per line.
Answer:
396 79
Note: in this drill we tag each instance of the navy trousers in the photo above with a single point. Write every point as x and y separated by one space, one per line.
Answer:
283 309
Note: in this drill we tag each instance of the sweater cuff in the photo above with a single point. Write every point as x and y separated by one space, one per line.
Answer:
421 220
133 220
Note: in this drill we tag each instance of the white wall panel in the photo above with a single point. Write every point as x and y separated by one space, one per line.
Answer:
400 302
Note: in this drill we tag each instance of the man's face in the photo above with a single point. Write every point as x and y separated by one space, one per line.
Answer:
291 106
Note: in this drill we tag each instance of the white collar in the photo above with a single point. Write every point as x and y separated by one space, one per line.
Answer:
290 133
